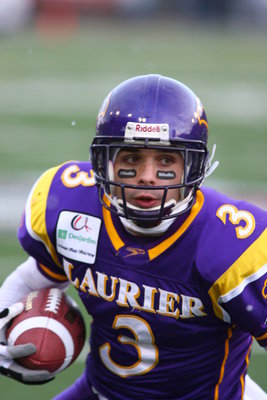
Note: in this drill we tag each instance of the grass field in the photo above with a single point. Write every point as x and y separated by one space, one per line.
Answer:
50 91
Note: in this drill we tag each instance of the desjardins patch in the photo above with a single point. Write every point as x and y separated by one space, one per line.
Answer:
77 236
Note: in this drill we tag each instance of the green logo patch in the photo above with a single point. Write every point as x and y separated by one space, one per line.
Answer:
62 233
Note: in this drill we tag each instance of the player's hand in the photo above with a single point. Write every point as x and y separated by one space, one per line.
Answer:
9 353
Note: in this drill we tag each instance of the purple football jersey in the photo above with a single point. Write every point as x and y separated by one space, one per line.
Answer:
173 316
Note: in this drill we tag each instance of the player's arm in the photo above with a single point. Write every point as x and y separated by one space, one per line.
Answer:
245 304
23 280
239 295
36 235
17 285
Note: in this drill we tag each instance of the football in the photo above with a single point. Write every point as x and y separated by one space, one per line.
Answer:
51 321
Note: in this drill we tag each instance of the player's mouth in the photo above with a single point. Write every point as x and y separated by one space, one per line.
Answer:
146 201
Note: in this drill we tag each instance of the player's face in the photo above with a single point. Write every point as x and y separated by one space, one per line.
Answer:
148 167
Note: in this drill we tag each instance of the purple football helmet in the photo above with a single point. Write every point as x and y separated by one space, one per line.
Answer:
151 111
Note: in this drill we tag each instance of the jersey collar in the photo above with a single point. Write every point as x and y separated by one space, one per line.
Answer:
158 249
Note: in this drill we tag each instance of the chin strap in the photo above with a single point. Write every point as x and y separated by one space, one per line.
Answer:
164 224
158 230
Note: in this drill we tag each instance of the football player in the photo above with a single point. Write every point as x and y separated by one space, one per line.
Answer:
173 274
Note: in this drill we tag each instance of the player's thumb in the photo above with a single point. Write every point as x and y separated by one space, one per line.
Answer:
21 350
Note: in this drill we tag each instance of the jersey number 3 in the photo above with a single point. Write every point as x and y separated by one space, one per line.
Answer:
143 342
243 219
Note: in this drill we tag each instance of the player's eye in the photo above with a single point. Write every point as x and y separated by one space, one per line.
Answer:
166 161
131 159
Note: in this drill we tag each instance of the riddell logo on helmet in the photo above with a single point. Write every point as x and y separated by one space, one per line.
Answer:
152 131
147 128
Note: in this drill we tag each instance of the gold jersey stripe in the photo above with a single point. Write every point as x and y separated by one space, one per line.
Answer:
54 275
250 266
37 211
242 377
160 248
112 233
226 354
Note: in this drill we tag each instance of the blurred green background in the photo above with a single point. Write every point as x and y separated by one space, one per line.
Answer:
52 87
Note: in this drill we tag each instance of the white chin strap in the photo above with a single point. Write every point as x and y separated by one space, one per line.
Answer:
157 230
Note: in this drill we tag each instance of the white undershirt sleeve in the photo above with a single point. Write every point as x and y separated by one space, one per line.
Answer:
23 280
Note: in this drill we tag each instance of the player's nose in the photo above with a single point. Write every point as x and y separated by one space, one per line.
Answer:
147 173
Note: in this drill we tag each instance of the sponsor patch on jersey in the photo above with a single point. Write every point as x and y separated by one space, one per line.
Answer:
77 236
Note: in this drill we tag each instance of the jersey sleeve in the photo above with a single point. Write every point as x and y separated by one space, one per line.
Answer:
35 232
239 296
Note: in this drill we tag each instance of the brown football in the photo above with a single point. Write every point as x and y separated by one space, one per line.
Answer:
53 323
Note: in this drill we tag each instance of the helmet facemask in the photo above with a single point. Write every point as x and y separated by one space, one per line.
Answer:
104 152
